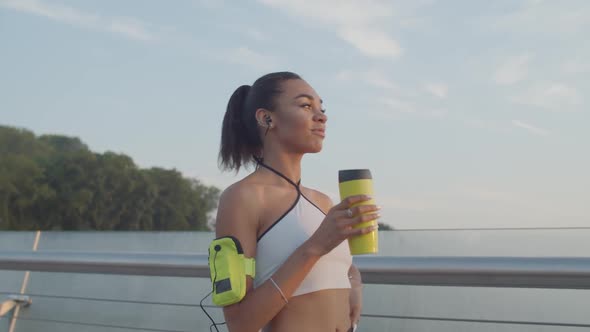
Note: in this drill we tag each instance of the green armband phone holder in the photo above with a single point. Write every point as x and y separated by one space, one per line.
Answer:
229 268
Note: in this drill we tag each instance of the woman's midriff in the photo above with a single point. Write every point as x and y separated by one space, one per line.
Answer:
321 311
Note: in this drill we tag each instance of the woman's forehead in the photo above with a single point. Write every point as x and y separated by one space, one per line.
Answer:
294 89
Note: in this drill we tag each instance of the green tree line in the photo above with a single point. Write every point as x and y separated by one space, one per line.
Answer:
54 182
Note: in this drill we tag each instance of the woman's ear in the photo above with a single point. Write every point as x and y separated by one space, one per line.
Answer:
263 118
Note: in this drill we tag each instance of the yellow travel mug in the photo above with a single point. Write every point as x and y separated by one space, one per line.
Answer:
353 182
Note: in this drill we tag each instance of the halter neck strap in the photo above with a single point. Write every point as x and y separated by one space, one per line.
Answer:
261 163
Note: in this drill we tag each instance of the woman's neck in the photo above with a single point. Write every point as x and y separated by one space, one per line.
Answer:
288 165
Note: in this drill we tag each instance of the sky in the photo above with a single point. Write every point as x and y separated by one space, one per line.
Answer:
470 114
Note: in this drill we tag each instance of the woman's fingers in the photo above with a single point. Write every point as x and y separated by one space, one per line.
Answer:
348 230
365 217
356 211
360 231
361 209
346 222
350 201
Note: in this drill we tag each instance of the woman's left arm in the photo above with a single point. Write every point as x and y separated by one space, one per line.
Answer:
356 294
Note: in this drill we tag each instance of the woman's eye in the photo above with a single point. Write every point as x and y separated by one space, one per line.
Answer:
309 107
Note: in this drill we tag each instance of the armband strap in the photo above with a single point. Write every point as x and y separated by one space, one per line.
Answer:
250 267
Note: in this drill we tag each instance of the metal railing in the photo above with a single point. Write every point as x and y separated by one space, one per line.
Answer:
521 272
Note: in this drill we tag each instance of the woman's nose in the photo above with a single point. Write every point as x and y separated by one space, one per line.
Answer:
321 117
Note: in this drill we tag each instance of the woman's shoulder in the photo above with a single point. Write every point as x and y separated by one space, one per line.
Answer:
244 192
239 210
319 198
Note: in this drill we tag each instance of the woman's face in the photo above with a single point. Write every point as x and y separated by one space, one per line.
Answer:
299 121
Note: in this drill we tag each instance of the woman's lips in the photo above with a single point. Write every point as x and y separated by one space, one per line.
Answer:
319 132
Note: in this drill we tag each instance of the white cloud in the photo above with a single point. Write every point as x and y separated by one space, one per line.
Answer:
392 108
256 34
557 18
553 96
414 23
128 27
576 67
213 4
530 128
436 113
513 70
345 75
379 80
335 12
373 78
398 105
480 124
395 100
439 90
362 24
248 57
52 11
371 42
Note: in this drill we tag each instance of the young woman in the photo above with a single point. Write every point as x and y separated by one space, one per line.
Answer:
305 280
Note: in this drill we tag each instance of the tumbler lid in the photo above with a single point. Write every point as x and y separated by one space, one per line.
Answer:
353 174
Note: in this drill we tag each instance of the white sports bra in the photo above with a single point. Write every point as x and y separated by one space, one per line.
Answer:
289 232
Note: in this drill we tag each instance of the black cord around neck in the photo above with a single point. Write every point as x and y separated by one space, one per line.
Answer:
260 162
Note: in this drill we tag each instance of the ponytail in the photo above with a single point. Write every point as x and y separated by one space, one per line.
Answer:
233 130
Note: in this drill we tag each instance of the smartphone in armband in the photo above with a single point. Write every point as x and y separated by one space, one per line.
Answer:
229 268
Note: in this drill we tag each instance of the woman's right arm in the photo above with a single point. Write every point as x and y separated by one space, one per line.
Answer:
238 215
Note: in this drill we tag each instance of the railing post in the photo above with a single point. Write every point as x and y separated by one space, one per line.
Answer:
12 302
